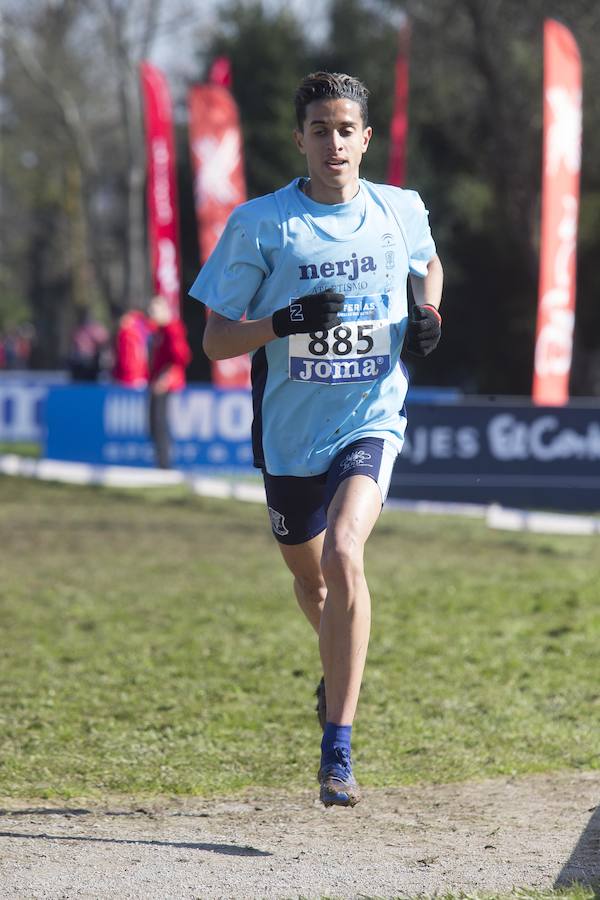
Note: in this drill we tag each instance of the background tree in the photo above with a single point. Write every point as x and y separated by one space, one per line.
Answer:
73 108
475 146
269 54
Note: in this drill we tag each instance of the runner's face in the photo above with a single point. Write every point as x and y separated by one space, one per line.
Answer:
333 139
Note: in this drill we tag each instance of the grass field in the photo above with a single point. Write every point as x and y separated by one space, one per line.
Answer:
151 645
21 448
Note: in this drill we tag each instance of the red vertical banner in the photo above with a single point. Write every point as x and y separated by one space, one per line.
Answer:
216 145
399 124
220 72
560 209
163 210
219 186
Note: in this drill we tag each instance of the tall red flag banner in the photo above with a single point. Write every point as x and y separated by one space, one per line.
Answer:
399 124
163 210
560 209
219 186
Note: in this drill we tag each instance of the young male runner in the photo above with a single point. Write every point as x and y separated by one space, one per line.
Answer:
320 268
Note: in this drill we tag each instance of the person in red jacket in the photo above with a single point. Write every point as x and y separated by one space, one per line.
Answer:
131 350
169 355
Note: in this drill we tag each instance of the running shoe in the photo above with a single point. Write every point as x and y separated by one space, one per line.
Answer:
338 785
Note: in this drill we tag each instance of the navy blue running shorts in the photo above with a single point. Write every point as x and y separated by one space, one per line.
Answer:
298 506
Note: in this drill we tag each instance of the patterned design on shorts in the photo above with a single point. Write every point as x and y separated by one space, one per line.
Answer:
277 522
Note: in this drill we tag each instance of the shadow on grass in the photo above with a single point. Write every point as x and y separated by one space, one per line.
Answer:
583 865
226 849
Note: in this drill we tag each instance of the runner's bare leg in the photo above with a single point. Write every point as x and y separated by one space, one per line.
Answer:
304 562
346 616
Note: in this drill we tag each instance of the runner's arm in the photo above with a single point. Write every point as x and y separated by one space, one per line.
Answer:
428 290
226 338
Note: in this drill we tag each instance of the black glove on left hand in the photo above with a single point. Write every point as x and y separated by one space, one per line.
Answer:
424 330
315 312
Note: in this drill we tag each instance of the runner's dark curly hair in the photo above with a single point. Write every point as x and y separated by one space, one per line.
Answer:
333 86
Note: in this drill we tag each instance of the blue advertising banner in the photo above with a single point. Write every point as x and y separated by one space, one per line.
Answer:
109 426
22 399
490 453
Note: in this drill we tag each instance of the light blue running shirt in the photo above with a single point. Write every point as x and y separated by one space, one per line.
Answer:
314 394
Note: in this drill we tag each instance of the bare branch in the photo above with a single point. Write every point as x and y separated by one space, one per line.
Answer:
150 28
64 101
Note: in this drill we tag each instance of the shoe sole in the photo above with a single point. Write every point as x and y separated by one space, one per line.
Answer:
339 798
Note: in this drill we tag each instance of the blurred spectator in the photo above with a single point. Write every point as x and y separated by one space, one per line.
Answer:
170 354
15 347
90 346
131 367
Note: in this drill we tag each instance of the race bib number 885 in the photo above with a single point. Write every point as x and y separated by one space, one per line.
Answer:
357 350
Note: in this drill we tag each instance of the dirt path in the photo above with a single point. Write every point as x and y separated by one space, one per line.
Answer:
480 836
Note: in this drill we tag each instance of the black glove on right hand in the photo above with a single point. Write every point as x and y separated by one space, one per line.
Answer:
424 330
315 312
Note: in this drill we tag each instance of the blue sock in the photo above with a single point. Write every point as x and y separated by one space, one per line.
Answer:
334 736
